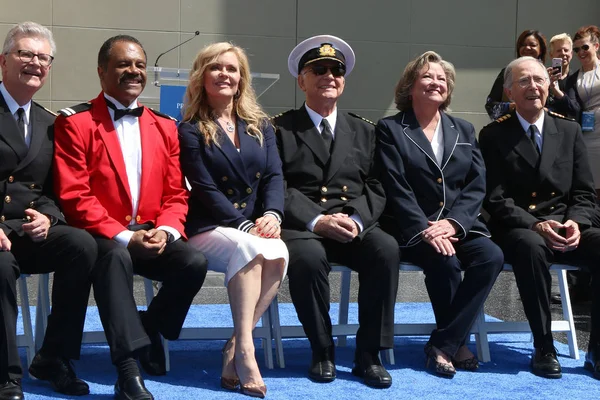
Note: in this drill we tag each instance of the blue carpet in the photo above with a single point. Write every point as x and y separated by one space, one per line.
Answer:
195 368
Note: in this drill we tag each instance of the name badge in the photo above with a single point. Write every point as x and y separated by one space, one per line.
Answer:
587 121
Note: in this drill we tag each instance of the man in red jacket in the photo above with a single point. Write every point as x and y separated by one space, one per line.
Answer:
118 177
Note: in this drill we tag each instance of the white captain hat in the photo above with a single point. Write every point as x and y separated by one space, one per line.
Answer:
322 47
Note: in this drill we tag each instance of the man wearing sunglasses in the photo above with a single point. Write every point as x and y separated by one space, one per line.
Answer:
34 237
541 201
333 201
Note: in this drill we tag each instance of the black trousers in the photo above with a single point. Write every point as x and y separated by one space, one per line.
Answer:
531 259
180 268
376 259
70 253
456 300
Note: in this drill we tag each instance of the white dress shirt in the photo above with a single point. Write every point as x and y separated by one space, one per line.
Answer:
128 133
539 124
437 142
332 119
13 106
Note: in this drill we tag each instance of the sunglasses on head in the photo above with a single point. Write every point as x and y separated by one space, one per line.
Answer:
585 47
336 71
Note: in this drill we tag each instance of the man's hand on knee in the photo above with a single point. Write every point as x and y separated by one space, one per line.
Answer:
335 227
548 230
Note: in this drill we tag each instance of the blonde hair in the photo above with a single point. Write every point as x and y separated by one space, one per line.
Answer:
245 104
562 37
402 96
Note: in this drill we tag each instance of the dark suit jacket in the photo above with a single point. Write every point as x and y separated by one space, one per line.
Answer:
25 173
519 191
319 183
572 102
418 190
230 187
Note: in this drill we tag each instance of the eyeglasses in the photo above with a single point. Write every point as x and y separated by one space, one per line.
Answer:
336 71
585 47
27 56
537 80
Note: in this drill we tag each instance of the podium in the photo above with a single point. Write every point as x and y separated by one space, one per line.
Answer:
167 87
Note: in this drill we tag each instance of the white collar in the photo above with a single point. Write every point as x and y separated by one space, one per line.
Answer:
317 118
134 103
539 123
13 106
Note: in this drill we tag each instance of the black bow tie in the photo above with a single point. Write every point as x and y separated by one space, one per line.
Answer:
120 113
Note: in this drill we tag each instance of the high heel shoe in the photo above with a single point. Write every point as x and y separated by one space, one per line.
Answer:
442 369
228 383
469 364
254 390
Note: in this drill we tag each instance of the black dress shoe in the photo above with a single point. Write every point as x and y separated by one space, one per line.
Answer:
60 373
368 367
322 368
11 390
592 361
132 389
152 357
545 364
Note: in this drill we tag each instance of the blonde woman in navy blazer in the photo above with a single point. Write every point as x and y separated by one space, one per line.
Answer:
434 179
230 158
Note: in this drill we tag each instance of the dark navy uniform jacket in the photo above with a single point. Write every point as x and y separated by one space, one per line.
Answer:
419 190
230 188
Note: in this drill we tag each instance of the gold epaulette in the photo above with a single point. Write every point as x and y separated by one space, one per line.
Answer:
50 111
503 118
280 114
363 118
81 107
162 114
560 116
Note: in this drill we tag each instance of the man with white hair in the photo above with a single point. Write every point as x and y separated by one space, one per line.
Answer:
541 200
34 237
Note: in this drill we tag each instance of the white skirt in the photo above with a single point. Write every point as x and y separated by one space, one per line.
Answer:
228 250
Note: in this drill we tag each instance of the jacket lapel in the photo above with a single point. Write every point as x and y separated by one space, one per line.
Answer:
38 132
148 138
551 143
310 135
342 145
450 136
415 134
524 147
107 132
9 131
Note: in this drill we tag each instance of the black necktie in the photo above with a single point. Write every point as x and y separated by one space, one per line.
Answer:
534 138
120 113
21 122
326 134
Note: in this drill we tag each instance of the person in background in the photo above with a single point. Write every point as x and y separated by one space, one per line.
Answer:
434 180
529 43
118 177
229 156
34 237
561 46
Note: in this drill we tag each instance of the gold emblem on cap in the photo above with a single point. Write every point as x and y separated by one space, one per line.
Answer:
327 50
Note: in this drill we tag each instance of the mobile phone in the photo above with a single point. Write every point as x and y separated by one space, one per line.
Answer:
557 65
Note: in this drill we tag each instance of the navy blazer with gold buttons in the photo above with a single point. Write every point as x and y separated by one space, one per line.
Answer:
230 188
419 190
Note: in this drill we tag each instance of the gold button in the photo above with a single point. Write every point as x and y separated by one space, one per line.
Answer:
248 190
324 189
441 204
533 194
553 194
11 179
32 186
344 198
323 200
32 204
138 218
344 188
236 205
439 180
532 207
7 199
243 205
258 174
2 218
128 218
224 179
229 191
552 208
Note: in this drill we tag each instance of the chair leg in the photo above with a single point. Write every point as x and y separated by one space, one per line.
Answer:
276 328
149 291
481 337
26 315
42 310
267 341
388 355
568 313
344 303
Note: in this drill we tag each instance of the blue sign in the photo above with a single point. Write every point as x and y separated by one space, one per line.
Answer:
171 100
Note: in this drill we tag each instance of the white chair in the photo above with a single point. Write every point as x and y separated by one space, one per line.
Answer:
26 339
